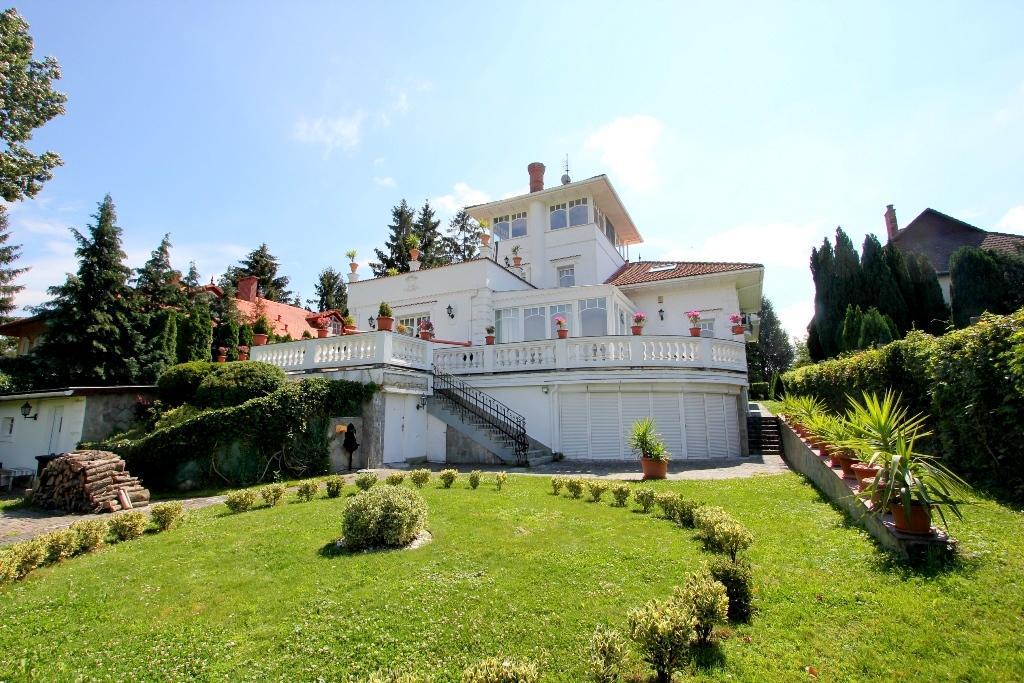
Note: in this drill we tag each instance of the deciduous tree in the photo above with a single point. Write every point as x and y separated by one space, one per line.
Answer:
773 352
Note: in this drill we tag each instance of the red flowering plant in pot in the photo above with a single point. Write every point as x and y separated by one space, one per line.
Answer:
647 443
560 323
489 337
426 328
639 320
737 323
694 317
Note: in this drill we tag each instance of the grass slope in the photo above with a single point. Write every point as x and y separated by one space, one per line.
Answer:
520 573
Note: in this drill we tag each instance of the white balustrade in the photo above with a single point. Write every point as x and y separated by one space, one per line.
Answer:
386 348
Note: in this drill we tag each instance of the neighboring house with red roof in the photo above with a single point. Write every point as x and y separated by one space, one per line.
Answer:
565 369
285 319
937 236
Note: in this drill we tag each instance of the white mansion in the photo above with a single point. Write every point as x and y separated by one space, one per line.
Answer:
553 253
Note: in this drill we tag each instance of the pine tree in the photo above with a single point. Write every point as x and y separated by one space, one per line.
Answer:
462 243
28 102
929 311
227 319
821 330
882 285
261 263
191 281
157 283
896 305
93 327
395 254
876 329
331 292
195 330
427 229
852 323
9 253
773 352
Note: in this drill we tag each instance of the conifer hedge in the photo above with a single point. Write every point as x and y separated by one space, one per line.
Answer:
969 382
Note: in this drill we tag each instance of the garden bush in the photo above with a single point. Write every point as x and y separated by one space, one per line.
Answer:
126 526
474 479
365 480
495 670
706 601
738 579
662 630
60 545
272 494
596 488
20 559
759 391
557 484
499 480
383 517
395 478
240 501
175 416
684 512
574 485
178 383
420 477
667 501
166 515
644 497
307 491
730 538
620 492
607 655
448 477
232 384
335 485
91 533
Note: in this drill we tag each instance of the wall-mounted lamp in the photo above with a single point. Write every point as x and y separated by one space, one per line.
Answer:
422 402
546 389
26 412
661 313
451 312
507 262
372 323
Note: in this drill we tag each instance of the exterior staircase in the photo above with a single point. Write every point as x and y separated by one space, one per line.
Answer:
763 433
486 421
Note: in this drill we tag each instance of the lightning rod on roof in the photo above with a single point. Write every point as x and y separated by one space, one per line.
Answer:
565 176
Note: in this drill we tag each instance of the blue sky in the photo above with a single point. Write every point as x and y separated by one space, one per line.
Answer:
741 131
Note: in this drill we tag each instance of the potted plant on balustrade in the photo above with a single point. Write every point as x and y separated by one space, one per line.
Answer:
412 243
694 317
385 319
560 323
485 234
260 331
243 352
639 320
349 324
352 254
489 339
737 323
426 329
646 442
322 330
517 260
222 354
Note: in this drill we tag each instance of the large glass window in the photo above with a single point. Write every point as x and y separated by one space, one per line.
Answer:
564 310
501 224
558 216
567 276
409 324
579 212
609 231
517 225
506 324
594 317
533 324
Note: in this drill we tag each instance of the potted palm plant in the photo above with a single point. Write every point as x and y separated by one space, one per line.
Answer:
385 319
639 320
412 243
737 323
352 254
694 317
646 442
489 338
349 325
517 260
560 323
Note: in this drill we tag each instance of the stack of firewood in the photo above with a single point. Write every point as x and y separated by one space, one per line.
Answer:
88 481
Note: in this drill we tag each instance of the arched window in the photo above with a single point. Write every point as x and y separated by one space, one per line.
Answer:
594 317
517 225
579 213
533 324
558 216
501 227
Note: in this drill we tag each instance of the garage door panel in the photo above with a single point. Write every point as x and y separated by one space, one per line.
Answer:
666 417
718 440
573 426
635 406
605 430
696 426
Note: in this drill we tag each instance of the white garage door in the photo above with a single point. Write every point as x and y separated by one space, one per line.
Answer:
698 426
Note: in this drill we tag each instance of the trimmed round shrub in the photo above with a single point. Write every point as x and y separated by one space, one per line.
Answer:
738 579
307 491
574 486
495 670
684 511
662 630
20 559
240 501
365 480
383 517
335 485
667 501
499 480
395 478
557 484
607 655
644 497
706 601
420 477
448 477
178 383
620 492
272 494
166 515
232 384
730 538
474 479
60 545
130 525
596 488
91 533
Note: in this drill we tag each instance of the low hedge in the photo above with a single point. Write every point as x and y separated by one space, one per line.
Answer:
232 384
969 383
178 383
284 432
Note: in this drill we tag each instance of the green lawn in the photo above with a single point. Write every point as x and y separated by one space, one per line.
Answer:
517 572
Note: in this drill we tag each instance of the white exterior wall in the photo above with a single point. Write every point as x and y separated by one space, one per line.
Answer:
58 429
715 298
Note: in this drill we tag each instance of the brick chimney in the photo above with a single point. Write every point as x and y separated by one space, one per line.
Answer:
536 171
891 227
247 288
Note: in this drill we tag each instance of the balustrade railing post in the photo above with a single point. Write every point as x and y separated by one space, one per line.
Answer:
561 354
705 352
383 347
636 350
308 354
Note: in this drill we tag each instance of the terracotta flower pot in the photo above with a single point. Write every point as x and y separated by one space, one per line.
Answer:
222 354
349 329
322 332
865 473
259 339
243 353
846 462
414 254
833 457
738 329
654 469
485 238
489 339
385 323
562 334
353 266
426 336
920 521
517 261
637 330
694 331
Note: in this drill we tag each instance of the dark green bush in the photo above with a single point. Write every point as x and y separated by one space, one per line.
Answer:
383 517
759 391
232 384
178 383
738 580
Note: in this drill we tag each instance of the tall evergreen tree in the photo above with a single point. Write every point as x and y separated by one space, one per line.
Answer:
821 332
28 102
157 283
462 243
92 327
195 330
427 229
929 311
331 292
773 352
261 263
897 304
852 323
9 253
882 285
876 329
396 252
227 320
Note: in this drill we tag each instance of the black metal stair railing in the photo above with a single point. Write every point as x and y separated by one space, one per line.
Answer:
468 401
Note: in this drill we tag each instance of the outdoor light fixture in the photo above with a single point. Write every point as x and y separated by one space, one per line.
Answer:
26 412
661 313
545 389
372 323
451 312
422 402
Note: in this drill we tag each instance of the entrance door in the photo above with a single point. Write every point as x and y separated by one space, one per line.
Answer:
56 430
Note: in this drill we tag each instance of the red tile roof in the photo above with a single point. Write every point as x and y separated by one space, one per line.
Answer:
284 318
654 271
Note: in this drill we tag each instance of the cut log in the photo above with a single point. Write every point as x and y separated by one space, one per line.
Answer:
88 481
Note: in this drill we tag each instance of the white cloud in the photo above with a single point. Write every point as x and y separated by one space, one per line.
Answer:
343 132
796 316
384 181
626 147
1013 221
776 245
379 161
462 195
